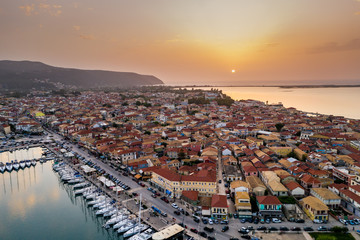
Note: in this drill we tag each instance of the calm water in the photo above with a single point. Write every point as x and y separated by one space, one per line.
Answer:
23 154
335 101
34 204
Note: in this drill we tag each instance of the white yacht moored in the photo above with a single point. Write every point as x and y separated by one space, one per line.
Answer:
138 229
2 167
33 162
28 163
127 227
16 165
22 164
120 223
144 235
9 166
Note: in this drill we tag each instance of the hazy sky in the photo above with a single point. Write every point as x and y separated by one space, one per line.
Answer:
191 41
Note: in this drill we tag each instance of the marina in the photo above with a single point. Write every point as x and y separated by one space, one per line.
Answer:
64 203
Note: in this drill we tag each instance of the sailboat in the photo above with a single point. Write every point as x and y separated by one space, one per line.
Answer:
139 228
16 165
2 167
143 236
22 164
9 166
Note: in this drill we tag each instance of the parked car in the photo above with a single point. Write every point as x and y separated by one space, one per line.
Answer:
224 228
194 230
283 228
177 212
243 230
273 229
164 214
196 220
211 222
153 195
224 222
299 220
208 229
308 229
296 229
261 228
203 234
276 220
322 228
174 205
164 199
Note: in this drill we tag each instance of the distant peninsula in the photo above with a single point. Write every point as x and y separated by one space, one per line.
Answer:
279 86
26 75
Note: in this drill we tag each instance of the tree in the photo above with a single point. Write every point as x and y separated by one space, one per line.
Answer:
279 126
337 229
292 154
181 154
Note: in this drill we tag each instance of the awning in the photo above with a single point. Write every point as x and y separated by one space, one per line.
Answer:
88 169
206 212
137 176
106 181
118 189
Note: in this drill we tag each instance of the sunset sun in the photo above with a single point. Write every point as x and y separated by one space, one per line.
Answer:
233 71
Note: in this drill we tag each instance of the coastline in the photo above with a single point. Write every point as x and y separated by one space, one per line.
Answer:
277 86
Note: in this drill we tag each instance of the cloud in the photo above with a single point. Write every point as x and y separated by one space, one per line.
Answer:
53 10
353 44
87 36
44 6
76 28
28 9
272 45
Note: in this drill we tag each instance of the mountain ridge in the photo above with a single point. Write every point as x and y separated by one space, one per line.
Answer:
30 74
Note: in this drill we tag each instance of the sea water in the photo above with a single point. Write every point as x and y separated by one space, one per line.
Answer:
35 204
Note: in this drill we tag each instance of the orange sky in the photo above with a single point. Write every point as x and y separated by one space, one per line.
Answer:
191 41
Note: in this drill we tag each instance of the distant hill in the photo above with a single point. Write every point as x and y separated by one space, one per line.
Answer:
27 75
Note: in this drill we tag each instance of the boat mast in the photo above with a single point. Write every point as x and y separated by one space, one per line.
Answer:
140 213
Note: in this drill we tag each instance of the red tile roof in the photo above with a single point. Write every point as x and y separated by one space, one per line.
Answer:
219 201
268 200
309 179
292 185
192 195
